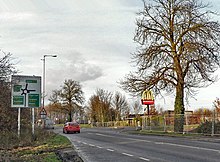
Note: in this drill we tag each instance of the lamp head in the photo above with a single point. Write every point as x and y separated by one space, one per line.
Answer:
50 56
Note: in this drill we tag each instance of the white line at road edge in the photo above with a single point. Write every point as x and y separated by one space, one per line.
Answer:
127 154
144 159
186 146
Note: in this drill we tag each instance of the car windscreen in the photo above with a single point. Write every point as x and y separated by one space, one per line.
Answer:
73 124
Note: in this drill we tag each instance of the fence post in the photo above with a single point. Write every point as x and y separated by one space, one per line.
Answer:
164 125
187 124
213 123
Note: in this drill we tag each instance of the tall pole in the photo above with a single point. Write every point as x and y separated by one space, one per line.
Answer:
44 76
43 80
19 121
33 124
44 83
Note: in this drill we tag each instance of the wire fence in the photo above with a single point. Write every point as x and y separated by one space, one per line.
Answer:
193 123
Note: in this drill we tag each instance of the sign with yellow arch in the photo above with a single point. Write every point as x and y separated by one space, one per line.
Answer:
147 98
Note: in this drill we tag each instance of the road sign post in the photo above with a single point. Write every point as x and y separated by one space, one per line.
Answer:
19 122
26 93
147 98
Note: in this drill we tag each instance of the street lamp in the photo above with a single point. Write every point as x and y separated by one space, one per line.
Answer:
44 74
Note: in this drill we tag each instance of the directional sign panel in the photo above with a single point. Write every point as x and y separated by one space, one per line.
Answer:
26 91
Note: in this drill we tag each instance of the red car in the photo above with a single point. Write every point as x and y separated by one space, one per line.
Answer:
71 127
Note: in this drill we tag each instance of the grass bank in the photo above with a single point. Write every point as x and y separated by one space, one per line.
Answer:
41 148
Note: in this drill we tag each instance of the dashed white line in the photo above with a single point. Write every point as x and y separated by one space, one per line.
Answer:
91 145
104 135
127 154
144 159
110 150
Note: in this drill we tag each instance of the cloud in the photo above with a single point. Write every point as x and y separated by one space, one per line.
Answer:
82 70
75 66
15 17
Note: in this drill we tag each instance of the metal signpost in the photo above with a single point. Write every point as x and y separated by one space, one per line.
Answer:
147 98
26 93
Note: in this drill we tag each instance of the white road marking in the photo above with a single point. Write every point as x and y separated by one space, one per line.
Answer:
133 141
186 146
127 154
110 150
84 143
98 134
144 159
91 145
99 146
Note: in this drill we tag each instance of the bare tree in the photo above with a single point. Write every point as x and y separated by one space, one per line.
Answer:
8 115
137 108
217 106
120 105
71 97
100 106
55 107
178 52
6 66
55 96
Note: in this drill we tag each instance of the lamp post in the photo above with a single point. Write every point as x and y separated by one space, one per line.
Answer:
44 74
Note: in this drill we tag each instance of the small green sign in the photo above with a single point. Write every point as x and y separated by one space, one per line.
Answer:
18 100
17 88
33 100
31 81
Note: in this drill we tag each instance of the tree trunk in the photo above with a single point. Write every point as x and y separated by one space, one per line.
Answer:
179 109
70 116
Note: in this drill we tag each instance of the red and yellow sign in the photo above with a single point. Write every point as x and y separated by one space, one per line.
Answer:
147 98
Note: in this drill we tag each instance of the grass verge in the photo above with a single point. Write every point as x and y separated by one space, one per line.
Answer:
42 149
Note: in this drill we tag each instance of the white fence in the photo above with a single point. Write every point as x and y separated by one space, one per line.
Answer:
193 123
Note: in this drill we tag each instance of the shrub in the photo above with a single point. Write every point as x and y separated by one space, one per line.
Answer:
206 128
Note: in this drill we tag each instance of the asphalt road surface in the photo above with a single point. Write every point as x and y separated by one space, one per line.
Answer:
106 144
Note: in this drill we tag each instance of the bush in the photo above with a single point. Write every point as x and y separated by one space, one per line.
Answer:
206 128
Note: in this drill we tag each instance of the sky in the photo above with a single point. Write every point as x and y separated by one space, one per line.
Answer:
93 41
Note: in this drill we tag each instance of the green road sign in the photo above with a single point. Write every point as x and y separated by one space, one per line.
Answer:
26 91
33 100
31 81
18 100
17 88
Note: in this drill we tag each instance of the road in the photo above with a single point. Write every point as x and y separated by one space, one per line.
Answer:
106 144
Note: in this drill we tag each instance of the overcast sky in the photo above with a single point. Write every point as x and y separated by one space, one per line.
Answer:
93 41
